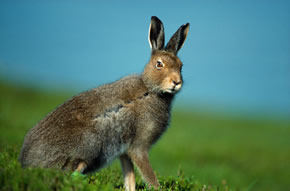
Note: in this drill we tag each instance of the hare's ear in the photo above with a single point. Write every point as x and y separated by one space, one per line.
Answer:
177 40
156 34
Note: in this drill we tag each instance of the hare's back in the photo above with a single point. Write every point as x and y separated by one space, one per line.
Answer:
83 111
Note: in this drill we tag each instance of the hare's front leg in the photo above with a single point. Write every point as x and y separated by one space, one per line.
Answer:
141 159
128 172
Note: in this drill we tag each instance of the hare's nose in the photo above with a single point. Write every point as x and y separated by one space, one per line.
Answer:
176 82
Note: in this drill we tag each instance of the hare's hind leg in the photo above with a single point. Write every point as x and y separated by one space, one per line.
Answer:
81 166
128 172
79 169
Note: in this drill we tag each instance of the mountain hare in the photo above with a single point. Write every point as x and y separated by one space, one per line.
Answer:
122 119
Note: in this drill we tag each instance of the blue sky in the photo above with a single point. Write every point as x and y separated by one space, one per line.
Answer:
237 54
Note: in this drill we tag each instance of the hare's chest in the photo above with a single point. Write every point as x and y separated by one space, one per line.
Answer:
154 109
153 118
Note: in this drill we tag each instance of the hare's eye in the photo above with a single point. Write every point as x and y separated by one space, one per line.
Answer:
159 65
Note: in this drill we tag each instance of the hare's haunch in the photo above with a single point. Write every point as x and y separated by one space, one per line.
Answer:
122 119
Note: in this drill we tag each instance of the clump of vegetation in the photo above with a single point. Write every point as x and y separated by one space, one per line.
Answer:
14 177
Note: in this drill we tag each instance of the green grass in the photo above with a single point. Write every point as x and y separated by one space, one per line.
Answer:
200 151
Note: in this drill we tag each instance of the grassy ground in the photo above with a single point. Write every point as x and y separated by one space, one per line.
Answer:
200 151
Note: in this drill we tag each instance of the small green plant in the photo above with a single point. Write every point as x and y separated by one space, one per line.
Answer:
14 177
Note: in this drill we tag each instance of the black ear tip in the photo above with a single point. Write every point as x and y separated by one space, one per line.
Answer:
154 18
185 28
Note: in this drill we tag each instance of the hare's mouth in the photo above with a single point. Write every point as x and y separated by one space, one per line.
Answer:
171 90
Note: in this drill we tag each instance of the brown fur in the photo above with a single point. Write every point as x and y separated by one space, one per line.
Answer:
122 119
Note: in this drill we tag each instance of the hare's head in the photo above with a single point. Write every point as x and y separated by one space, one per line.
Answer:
163 72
